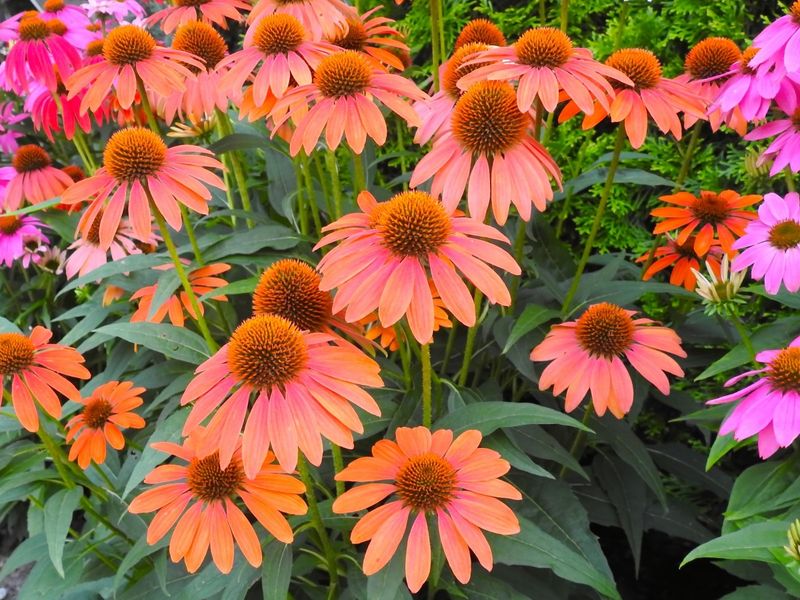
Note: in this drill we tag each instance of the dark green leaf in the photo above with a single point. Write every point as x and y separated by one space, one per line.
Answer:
57 517
487 417
276 571
129 264
168 430
172 342
753 542
530 319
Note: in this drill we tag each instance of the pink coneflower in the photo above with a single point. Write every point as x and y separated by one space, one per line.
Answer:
9 115
15 232
205 11
651 94
391 249
490 152
767 407
38 48
587 356
86 253
771 244
130 54
72 16
320 17
343 93
365 33
119 10
546 63
32 178
71 23
302 386
778 43
49 117
784 149
9 27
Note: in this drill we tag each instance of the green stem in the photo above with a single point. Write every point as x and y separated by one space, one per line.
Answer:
359 179
787 173
598 219
405 358
471 334
55 453
82 146
542 12
564 15
448 349
238 170
148 110
316 521
736 321
338 466
302 211
576 448
425 354
311 196
198 255
333 170
519 251
226 174
436 40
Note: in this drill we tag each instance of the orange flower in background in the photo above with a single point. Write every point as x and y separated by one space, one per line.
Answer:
302 383
365 33
320 17
203 281
651 94
390 251
587 356
712 213
37 370
480 31
213 519
107 410
138 167
192 11
31 178
683 259
454 483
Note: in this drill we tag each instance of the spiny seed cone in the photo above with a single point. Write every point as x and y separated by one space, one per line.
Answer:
641 66
544 47
278 34
480 31
412 224
354 37
96 413
30 158
94 48
33 28
426 482
16 353
134 153
455 69
127 45
712 56
785 235
9 224
784 370
209 482
487 120
605 330
345 73
202 40
56 27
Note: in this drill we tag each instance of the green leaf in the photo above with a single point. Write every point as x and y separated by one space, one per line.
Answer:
762 488
33 208
756 592
533 316
169 430
277 237
57 518
129 264
238 141
30 550
500 442
166 285
753 542
7 326
487 417
172 342
243 286
276 571
721 446
623 175
138 551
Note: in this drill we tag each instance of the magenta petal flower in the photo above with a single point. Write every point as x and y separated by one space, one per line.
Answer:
15 233
771 244
769 407
785 148
779 42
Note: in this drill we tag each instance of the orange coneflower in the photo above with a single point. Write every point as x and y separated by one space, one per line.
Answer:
31 178
365 33
193 11
302 384
345 87
390 250
683 259
213 519
138 169
480 31
711 212
130 56
107 410
587 356
454 483
37 368
320 17
202 280
651 93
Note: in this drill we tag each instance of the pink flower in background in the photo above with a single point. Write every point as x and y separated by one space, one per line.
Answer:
8 28
771 244
8 137
785 148
321 17
47 116
72 16
769 407
87 254
119 10
188 11
32 178
15 233
779 43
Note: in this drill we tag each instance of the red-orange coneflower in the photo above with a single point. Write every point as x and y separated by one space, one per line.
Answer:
683 259
453 482
31 178
365 33
213 519
37 369
194 11
107 410
480 31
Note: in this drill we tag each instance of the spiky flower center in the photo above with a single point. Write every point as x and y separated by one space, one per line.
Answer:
134 153
10 225
33 28
412 224
480 31
209 482
544 47
290 289
30 157
52 6
267 350
605 330
795 11
190 2
784 370
711 208
278 34
455 69
641 66
344 73
486 118
127 45
712 56
426 482
202 40
75 172
56 27
785 235
16 353
94 48
352 37
747 56
96 413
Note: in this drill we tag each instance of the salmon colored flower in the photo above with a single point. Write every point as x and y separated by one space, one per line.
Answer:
131 57
390 251
36 369
343 93
587 356
31 178
302 386
213 519
203 280
365 33
683 259
711 213
489 151
429 476
651 94
320 17
480 31
192 11
139 170
107 410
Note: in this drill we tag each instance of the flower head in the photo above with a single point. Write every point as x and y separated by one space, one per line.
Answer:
720 289
320 17
783 149
771 244
766 407
53 260
683 259
9 115
453 482
107 410
37 370
32 178
213 519
15 233
374 36
192 11
391 249
777 43
54 112
119 10
480 31
69 14
586 356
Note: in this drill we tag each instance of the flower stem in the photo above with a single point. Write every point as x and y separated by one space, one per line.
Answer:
787 173
333 169
236 164
82 146
598 218
448 349
198 256
576 448
338 466
148 110
437 35
359 179
736 321
471 334
310 195
425 354
302 211
564 15
316 521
